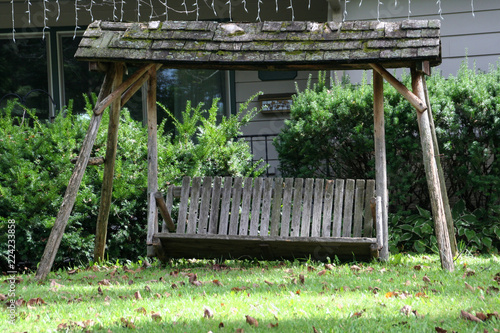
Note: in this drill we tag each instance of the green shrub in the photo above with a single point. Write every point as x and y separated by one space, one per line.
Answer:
330 134
35 167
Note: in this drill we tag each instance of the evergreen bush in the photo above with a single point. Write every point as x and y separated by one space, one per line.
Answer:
35 166
330 134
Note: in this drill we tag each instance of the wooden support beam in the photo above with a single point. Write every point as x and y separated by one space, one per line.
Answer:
432 176
442 181
416 101
136 86
152 160
100 107
57 232
164 211
380 160
109 169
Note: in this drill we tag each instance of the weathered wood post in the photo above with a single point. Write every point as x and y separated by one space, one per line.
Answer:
442 181
57 232
380 159
109 169
432 176
152 162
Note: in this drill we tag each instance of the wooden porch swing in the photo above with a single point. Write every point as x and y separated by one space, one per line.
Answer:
109 46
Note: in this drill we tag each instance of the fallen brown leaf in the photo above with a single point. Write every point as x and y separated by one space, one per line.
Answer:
310 268
315 330
35 301
269 283
426 279
217 283
355 268
417 267
252 321
128 323
207 313
468 286
322 272
147 288
104 282
240 330
156 316
141 310
137 295
302 278
406 310
440 330
329 267
221 325
271 325
468 316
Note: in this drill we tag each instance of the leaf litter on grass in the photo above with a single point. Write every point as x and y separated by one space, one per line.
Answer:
263 296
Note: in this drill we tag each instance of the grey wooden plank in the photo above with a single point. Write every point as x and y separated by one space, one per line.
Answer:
206 194
245 206
256 201
337 208
276 206
296 207
215 206
169 202
266 206
368 220
194 206
348 208
327 208
319 185
287 207
181 222
235 206
305 230
225 205
359 206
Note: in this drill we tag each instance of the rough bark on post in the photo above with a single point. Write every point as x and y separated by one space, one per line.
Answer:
442 181
432 176
380 158
152 161
57 232
109 169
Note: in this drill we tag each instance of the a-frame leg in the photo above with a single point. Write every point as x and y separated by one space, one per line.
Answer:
74 184
109 169
432 176
380 162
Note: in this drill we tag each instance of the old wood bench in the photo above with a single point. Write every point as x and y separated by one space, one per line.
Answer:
269 218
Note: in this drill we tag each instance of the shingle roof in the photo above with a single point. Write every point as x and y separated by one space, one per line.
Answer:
278 45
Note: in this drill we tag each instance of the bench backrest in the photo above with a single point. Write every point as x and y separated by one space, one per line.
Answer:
289 207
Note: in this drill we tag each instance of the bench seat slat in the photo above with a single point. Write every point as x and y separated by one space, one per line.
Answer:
235 206
245 206
305 230
368 223
225 205
317 207
296 208
206 194
256 202
287 207
181 222
276 206
266 206
327 208
348 208
359 206
215 206
337 208
193 206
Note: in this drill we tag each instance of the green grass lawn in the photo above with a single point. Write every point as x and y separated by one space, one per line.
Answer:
408 293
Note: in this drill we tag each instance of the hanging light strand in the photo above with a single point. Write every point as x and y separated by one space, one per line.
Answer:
291 8
409 9
58 10
440 10
378 9
13 22
76 18
258 10
230 10
472 7
344 14
45 18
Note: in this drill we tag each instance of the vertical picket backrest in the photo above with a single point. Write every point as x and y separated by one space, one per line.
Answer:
274 207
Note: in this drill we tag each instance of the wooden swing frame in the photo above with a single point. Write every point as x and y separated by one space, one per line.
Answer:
141 45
